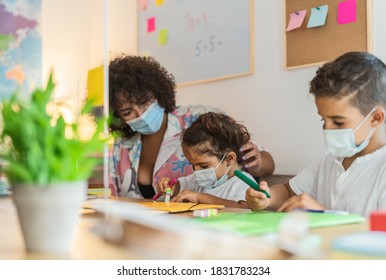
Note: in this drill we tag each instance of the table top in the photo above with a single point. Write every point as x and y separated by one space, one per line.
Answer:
102 238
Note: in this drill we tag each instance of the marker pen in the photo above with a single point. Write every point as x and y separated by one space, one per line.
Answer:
250 182
170 184
327 211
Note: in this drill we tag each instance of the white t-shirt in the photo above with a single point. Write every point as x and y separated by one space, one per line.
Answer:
233 189
361 189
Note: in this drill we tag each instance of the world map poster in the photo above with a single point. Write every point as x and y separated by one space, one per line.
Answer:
20 46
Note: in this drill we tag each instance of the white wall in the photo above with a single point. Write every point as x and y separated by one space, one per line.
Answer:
73 39
66 45
273 102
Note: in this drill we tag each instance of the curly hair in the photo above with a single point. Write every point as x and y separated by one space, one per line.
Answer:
138 80
216 134
360 75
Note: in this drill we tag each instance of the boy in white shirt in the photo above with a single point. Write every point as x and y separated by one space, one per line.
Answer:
350 95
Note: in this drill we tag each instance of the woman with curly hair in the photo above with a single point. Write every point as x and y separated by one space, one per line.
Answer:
147 126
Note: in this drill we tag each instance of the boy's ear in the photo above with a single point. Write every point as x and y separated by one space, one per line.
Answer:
231 157
378 116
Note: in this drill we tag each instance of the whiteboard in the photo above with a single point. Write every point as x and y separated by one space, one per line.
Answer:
198 40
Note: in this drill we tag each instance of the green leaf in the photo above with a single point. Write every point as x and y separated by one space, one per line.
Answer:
39 152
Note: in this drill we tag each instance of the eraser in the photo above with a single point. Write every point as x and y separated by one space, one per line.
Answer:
204 213
168 192
378 221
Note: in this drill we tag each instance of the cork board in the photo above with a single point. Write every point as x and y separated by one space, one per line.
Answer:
314 46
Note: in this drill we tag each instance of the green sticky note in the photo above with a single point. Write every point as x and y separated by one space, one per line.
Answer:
163 37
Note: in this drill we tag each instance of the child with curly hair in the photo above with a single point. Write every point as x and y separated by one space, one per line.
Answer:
212 145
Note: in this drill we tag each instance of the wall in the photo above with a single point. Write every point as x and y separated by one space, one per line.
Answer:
273 103
73 39
65 45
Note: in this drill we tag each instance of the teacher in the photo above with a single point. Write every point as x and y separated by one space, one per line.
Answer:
147 127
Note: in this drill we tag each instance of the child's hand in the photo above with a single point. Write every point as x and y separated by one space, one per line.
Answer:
300 201
257 200
163 184
187 195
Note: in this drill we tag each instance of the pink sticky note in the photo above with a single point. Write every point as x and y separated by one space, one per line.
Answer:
296 20
347 12
151 24
143 5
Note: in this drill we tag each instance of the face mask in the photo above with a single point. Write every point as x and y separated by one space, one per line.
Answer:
150 121
207 178
341 142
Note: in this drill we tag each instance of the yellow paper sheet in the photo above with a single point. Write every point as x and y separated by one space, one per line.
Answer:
176 207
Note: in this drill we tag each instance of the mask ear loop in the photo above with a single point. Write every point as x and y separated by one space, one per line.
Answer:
226 172
372 130
220 161
363 121
370 134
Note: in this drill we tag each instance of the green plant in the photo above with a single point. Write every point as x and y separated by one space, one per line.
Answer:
36 147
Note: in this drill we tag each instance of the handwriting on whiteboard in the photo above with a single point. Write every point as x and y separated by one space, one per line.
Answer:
196 21
209 45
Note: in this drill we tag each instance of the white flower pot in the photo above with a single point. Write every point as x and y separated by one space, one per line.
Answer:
49 214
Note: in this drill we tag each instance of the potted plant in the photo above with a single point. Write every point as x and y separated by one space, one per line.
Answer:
47 167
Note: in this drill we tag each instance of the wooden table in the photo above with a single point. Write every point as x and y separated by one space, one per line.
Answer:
104 238
87 245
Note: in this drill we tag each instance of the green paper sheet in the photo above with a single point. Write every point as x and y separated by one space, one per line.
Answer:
263 222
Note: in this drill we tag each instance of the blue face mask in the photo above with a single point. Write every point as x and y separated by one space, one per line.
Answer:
207 178
150 121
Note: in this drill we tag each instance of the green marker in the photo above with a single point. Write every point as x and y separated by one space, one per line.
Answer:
250 182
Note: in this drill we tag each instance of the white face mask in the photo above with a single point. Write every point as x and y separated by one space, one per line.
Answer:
341 142
207 178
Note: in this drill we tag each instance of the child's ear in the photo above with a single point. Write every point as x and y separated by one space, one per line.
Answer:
231 158
378 116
